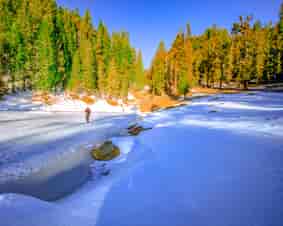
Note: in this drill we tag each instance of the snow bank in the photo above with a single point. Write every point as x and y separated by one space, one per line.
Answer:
19 102
221 168
62 103
20 210
240 106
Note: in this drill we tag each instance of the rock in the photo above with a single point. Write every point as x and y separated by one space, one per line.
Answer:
135 130
105 152
176 106
132 126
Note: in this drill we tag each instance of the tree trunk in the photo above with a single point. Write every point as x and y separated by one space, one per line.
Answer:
245 84
13 84
207 82
24 84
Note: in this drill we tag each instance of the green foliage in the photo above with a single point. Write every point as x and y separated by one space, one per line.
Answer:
103 47
75 82
47 70
251 52
122 64
139 79
158 70
49 48
53 49
87 54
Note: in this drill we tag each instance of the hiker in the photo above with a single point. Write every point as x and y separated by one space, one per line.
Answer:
87 114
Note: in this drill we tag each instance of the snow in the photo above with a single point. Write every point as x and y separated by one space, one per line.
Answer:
63 103
217 161
36 146
19 102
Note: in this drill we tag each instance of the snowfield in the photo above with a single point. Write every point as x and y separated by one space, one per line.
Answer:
217 161
37 145
63 103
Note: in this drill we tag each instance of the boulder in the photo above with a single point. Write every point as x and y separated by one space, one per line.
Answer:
105 152
135 129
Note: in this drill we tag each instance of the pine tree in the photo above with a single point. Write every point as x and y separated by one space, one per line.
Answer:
87 54
189 31
75 82
279 45
178 67
224 56
209 59
5 19
128 64
246 51
189 60
197 60
259 51
158 70
54 48
114 80
271 53
140 79
103 48
46 74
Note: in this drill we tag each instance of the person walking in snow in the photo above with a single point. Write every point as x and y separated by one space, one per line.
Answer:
87 114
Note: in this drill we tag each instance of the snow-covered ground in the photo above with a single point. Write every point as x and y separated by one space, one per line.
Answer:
38 147
217 161
62 103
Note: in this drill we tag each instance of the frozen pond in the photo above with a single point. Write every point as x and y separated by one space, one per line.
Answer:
46 155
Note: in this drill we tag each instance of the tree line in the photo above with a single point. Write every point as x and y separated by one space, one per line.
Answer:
250 52
45 47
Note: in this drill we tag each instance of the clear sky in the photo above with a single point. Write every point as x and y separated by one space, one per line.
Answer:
149 21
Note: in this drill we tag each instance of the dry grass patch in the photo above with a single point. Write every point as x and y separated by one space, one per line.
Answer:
212 91
153 103
112 102
44 97
74 96
88 100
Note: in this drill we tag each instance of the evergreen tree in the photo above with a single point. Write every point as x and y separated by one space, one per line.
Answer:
279 45
259 51
46 73
224 56
189 60
75 82
245 51
103 47
189 30
54 48
177 66
140 79
114 80
158 70
87 54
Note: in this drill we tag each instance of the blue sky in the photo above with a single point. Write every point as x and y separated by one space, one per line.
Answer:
150 21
